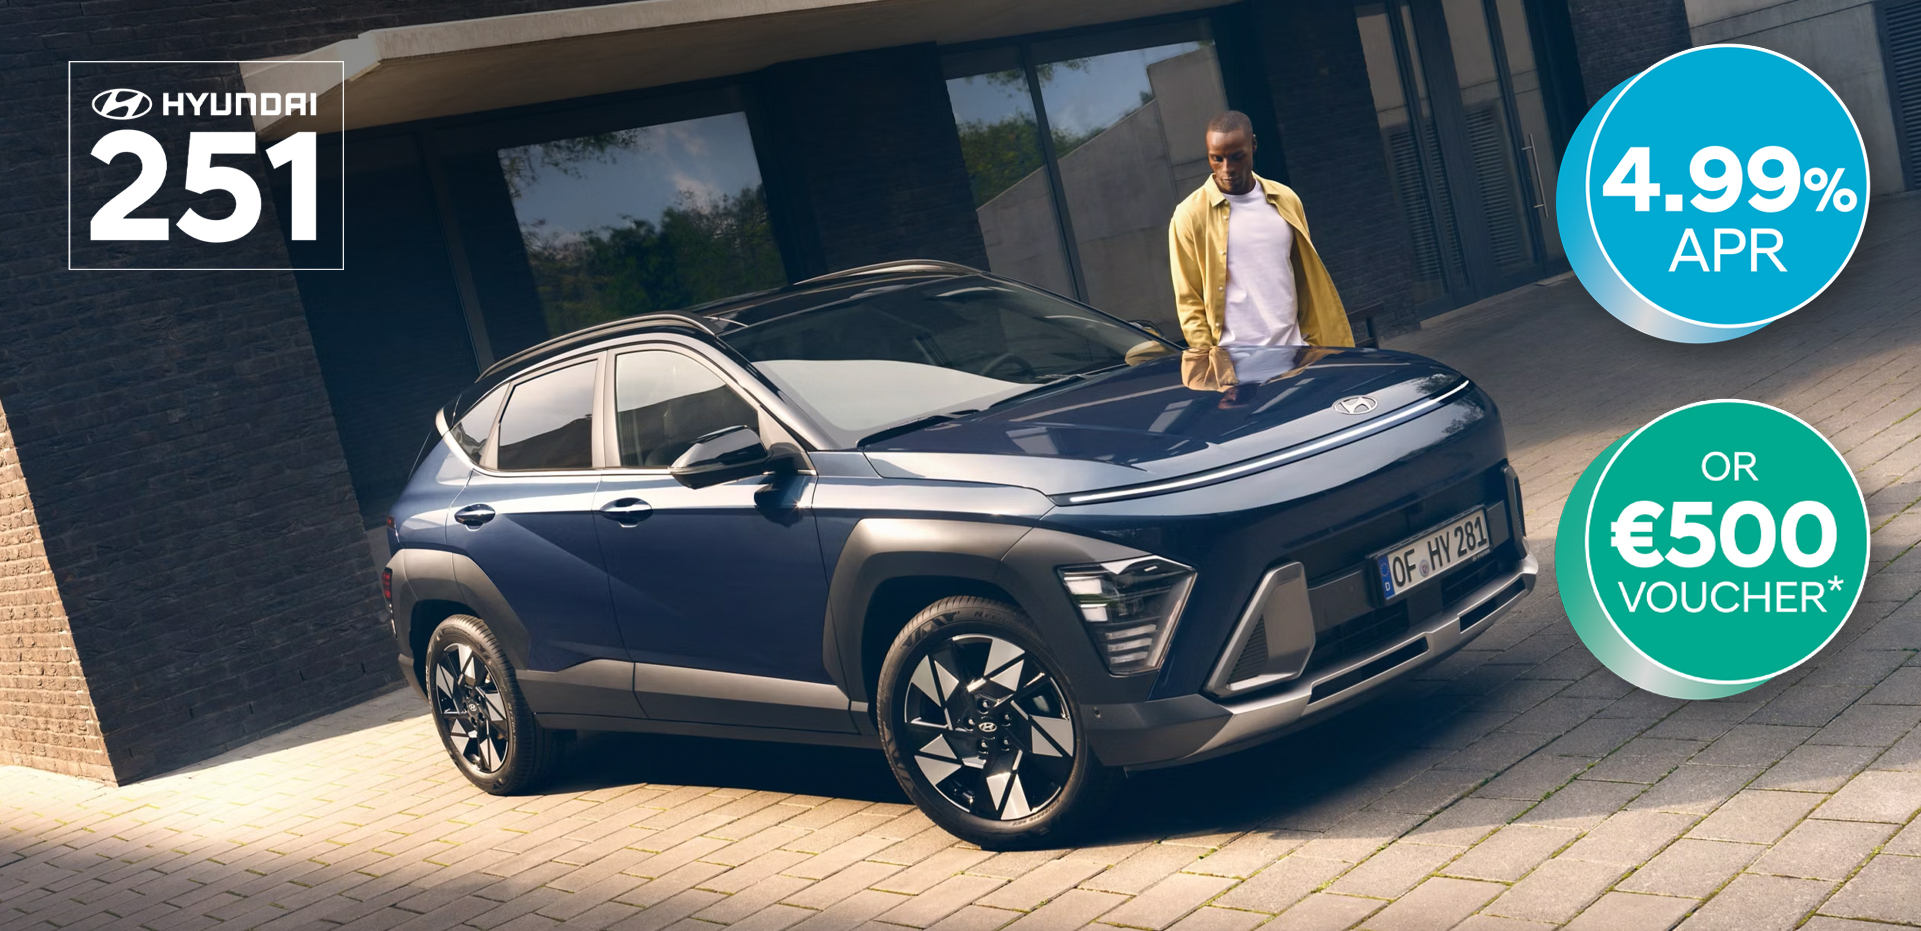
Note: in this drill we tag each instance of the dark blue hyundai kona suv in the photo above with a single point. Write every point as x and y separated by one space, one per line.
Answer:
991 531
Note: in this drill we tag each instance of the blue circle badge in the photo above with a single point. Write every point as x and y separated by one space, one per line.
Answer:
1719 190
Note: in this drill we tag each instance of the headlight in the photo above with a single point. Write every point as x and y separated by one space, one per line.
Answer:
1130 607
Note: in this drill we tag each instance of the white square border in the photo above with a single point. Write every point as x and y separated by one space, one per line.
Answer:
250 61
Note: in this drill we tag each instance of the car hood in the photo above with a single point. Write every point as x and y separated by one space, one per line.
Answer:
1143 424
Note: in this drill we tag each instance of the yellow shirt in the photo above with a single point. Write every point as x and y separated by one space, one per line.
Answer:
1197 253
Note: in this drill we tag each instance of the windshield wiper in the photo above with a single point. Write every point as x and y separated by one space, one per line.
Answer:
912 425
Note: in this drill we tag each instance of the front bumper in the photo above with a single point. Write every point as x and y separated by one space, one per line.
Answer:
1189 728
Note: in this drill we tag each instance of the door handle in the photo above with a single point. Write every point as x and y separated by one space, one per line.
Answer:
473 515
626 512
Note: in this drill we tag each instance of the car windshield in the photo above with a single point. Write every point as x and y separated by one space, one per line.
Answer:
868 359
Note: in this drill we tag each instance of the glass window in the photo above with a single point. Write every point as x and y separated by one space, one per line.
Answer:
1131 136
664 401
1125 115
884 356
549 422
471 432
1001 144
1525 76
643 219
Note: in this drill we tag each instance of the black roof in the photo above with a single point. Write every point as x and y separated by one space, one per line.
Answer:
703 321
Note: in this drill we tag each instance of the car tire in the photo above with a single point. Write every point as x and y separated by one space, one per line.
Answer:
981 730
483 720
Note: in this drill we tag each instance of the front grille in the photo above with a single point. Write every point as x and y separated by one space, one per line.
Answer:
1337 553
1464 581
1346 640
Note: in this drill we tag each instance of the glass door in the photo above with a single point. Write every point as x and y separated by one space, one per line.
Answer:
1466 142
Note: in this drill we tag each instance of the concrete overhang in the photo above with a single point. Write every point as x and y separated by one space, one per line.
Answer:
466 66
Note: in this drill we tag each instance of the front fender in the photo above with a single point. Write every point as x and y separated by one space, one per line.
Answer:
1018 559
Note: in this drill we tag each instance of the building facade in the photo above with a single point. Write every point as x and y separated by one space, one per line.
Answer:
195 466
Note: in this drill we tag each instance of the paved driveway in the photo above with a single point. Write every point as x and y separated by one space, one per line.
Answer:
1517 785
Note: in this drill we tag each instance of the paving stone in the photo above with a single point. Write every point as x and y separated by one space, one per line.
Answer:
1644 759
1284 883
1823 849
1439 902
1581 804
1510 853
1534 777
1901 687
1884 890
1360 834
1692 868
1629 838
1486 922
1756 816
1046 881
1220 919
1695 788
1168 901
1249 853
1754 745
1071 909
1465 822
1758 903
1864 725
1817 768
1393 871
1875 796
1622 911
1557 890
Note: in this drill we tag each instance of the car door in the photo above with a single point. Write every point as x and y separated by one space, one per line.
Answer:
526 518
719 591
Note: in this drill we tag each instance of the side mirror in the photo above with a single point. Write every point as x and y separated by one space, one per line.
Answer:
1149 326
722 456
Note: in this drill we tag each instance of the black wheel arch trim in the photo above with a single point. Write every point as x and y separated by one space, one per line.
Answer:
427 575
1017 559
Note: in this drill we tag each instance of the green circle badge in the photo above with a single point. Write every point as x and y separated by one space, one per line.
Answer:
1715 548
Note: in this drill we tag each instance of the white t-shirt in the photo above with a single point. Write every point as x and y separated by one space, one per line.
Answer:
1260 274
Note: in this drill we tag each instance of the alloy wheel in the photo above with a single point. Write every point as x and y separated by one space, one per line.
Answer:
989 727
467 701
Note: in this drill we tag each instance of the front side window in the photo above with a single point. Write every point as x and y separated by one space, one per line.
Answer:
549 422
890 355
642 219
664 401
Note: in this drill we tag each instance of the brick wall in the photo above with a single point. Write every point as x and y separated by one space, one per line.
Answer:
46 715
186 477
869 138
1332 138
1618 38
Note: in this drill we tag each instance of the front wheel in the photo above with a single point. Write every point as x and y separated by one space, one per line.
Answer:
483 720
981 730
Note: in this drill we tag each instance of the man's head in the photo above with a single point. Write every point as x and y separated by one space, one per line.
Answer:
1230 152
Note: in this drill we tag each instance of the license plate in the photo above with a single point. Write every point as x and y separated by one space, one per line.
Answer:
1421 559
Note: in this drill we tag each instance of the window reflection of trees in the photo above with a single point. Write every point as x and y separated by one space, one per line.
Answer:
699 250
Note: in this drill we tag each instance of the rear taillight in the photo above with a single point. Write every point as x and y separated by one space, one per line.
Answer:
387 586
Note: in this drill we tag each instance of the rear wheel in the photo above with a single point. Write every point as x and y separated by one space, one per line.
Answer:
982 731
483 721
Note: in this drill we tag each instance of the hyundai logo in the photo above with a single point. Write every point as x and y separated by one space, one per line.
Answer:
122 103
1358 404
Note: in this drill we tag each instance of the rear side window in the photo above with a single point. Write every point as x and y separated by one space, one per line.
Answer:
663 401
471 432
549 422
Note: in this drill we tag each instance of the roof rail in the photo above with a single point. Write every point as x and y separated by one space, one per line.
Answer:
895 267
588 334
